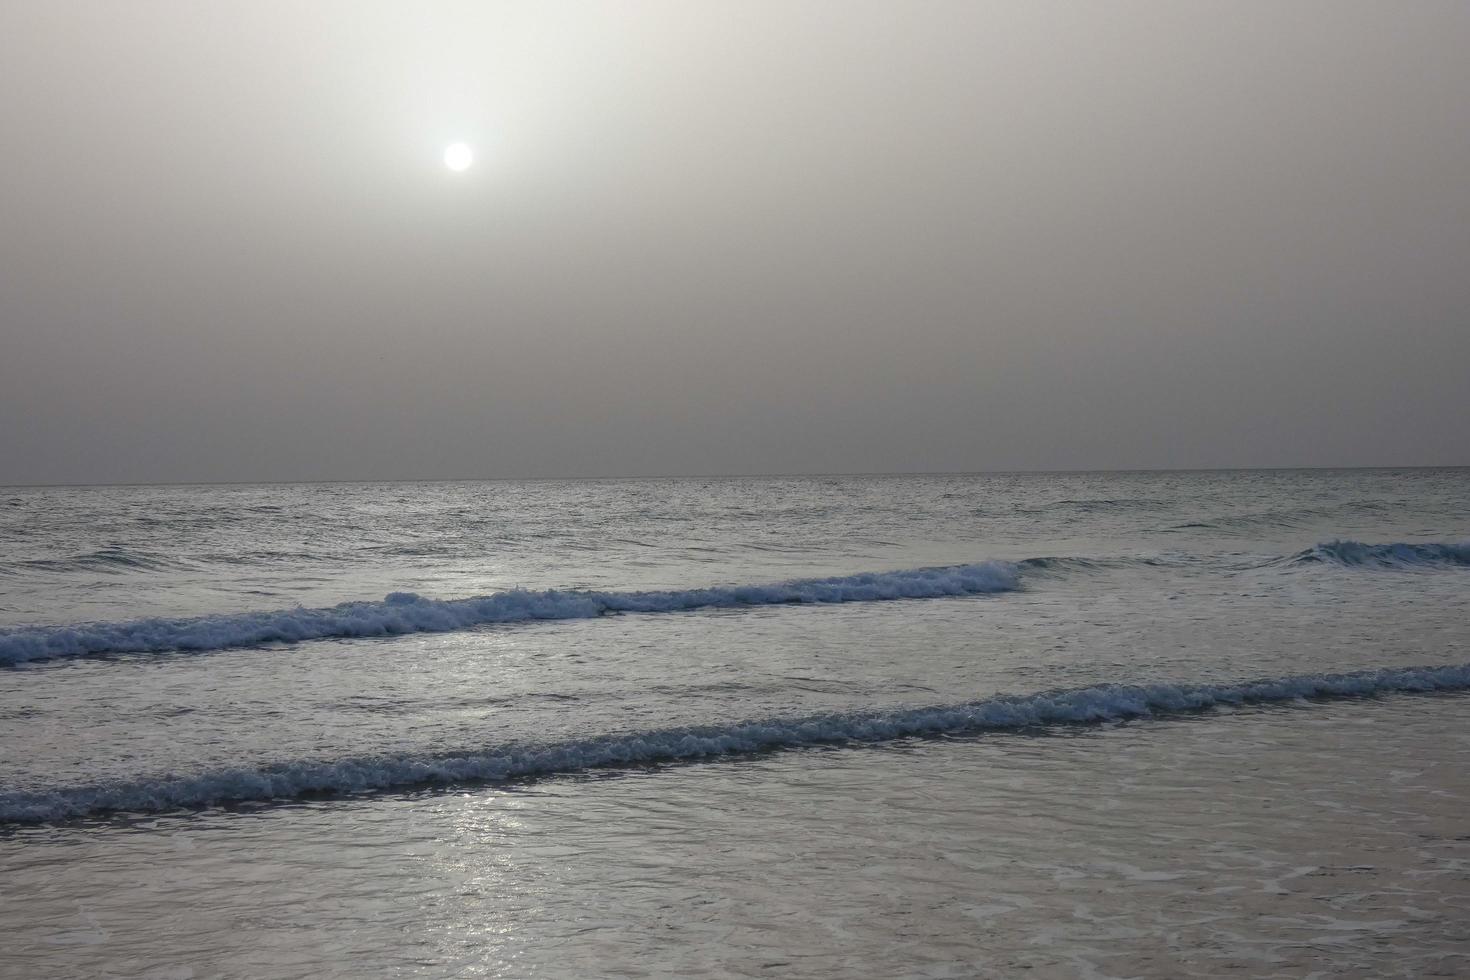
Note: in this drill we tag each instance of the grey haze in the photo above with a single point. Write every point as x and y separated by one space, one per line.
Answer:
729 237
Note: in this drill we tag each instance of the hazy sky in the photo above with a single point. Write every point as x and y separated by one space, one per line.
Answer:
736 237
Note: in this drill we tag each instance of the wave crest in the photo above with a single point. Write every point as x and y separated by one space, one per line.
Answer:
1396 554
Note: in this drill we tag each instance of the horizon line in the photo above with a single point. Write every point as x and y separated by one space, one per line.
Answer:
733 476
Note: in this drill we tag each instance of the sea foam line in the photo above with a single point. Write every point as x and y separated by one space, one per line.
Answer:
404 612
1076 706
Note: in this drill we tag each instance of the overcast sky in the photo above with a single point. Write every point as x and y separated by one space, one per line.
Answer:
736 237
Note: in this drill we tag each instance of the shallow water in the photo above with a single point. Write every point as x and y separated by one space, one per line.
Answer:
976 771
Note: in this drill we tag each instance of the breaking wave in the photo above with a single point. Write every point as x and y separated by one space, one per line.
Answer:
403 612
1065 707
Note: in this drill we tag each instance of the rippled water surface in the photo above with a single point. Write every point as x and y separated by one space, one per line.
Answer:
1154 724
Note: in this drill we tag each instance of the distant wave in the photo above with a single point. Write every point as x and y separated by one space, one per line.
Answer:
403 612
1106 702
1397 554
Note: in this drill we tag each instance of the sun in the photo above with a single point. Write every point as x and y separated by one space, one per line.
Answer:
458 156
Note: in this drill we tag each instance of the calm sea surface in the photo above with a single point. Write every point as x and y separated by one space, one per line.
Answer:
1071 725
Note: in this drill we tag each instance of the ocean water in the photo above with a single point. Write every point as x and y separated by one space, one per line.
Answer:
1091 724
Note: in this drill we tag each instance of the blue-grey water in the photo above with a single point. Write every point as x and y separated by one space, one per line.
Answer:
1093 724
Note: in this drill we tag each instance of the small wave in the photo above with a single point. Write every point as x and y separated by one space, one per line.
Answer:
1239 524
1062 563
1098 505
1266 520
403 612
1087 705
109 561
1397 554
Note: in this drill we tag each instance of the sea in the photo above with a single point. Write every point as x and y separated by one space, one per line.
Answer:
1147 724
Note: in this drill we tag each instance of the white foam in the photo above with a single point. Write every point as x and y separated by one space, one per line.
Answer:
1077 706
403 612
